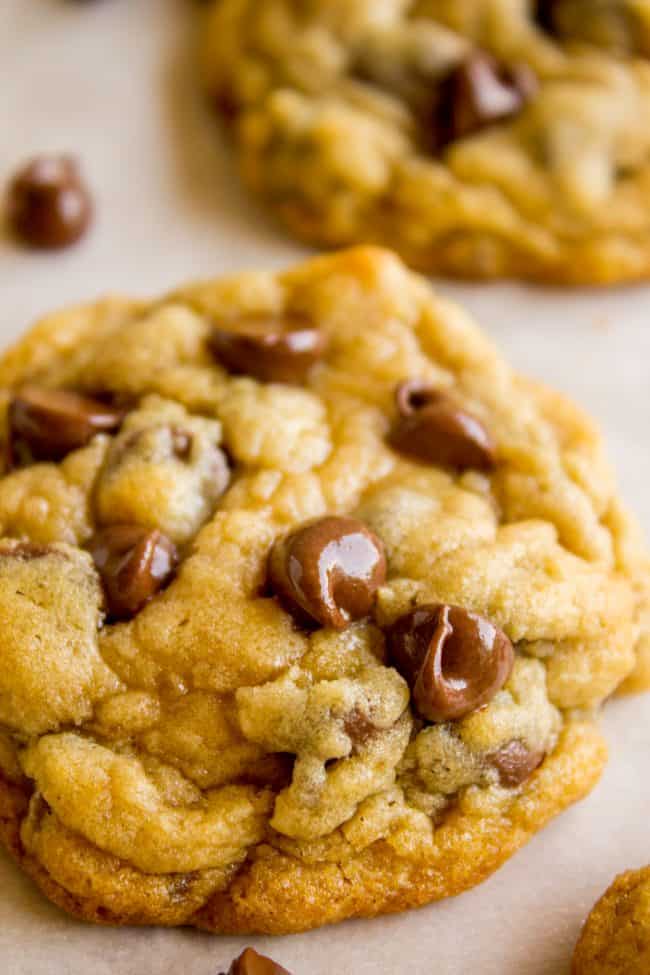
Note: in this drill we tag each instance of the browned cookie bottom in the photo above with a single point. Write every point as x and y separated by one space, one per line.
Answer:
277 894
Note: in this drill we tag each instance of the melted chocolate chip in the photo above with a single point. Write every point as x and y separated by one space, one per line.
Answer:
280 350
134 564
478 93
435 429
515 763
328 570
46 424
250 963
49 206
359 728
454 661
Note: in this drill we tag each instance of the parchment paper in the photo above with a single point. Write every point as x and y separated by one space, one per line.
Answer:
113 81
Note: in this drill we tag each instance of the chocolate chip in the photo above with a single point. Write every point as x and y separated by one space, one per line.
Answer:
226 103
46 424
358 727
181 443
250 963
454 661
328 570
49 206
433 428
515 762
134 564
478 93
545 13
281 350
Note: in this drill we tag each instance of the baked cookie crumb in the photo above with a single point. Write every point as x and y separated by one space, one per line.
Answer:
616 937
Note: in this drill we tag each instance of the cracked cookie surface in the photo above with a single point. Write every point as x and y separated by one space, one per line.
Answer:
480 138
308 620
616 935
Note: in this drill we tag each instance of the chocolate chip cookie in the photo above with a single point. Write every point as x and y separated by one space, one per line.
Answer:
306 601
616 937
480 138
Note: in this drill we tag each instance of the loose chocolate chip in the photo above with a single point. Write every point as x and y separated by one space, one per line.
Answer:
49 206
454 661
328 570
280 350
478 93
433 428
250 963
46 424
515 762
134 564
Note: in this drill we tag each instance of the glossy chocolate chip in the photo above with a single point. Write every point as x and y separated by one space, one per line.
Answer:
280 350
454 661
251 963
46 424
134 564
478 93
515 763
328 570
49 206
434 428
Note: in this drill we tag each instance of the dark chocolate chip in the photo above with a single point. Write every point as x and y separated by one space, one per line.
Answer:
328 570
46 424
479 93
251 963
134 564
515 762
545 13
181 443
226 103
281 350
359 728
49 206
454 661
433 428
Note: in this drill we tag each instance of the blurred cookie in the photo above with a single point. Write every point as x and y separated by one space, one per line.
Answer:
480 138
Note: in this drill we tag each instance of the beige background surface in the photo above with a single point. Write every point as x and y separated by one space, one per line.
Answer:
113 82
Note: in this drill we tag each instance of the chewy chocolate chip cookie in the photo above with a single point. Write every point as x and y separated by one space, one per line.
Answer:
480 138
616 937
305 601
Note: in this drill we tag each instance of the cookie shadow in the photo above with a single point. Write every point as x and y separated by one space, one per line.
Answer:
204 159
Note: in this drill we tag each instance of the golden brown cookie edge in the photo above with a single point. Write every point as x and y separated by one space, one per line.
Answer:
276 894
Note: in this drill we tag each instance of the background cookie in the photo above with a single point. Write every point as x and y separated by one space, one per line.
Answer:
481 138
211 737
616 935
